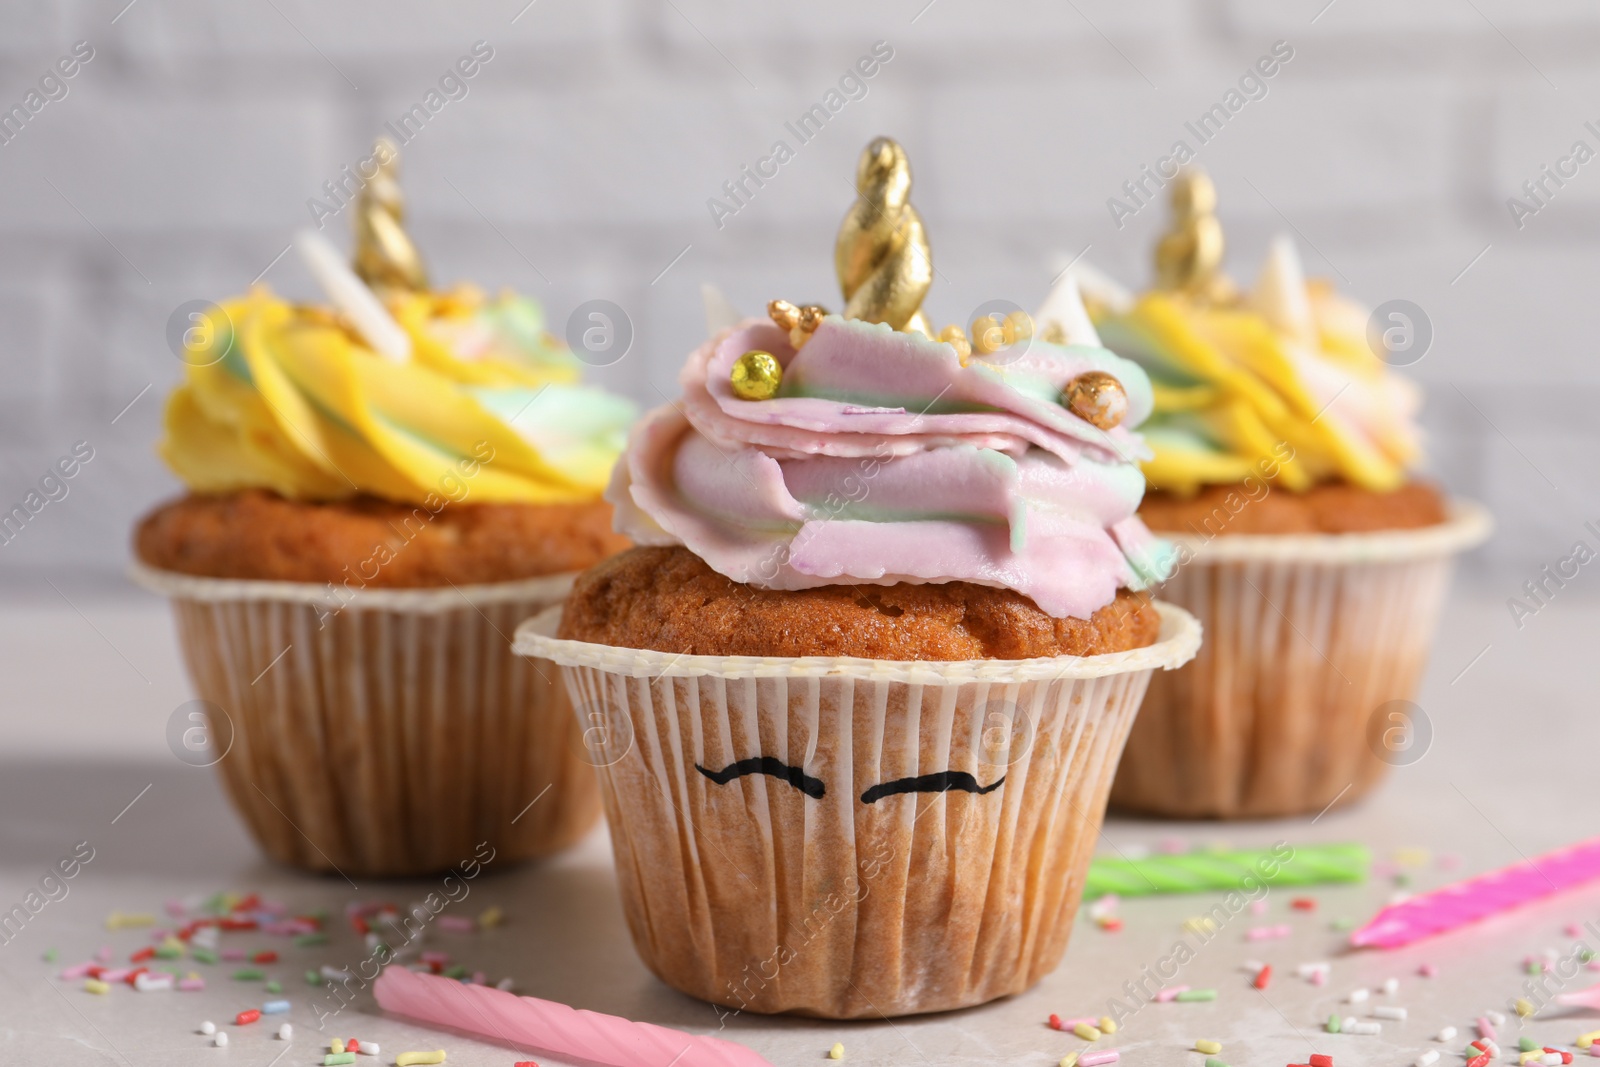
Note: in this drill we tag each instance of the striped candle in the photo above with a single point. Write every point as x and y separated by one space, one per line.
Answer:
1478 898
1199 872
533 1025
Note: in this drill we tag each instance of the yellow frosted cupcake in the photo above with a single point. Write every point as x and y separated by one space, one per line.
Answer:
380 489
1284 471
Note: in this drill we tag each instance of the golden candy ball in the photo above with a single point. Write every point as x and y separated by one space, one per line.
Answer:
1097 398
784 314
756 375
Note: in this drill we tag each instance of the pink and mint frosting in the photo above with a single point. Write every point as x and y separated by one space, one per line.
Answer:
883 459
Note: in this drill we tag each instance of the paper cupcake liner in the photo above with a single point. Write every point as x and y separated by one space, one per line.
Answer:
389 736
776 893
1308 638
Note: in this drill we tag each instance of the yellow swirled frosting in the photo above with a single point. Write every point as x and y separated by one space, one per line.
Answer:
289 398
1278 384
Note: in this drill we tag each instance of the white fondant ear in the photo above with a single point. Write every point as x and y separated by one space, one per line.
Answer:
1280 293
351 297
1064 307
720 313
1101 288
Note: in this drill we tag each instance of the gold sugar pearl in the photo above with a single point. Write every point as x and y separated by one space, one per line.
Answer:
988 335
785 314
801 322
1097 398
993 332
811 316
956 338
756 375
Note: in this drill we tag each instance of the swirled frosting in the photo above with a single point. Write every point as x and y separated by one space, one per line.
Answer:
289 398
885 458
1281 385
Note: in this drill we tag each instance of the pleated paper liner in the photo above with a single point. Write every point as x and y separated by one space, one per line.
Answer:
393 735
802 887
1309 638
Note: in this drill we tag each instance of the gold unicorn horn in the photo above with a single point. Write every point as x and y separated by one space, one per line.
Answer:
385 256
882 256
1189 256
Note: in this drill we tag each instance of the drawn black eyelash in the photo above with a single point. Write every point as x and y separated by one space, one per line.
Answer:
769 765
942 782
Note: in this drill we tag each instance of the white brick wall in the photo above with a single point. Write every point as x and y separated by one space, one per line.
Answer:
190 143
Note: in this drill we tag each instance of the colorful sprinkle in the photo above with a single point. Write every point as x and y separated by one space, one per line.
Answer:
836 1052
220 1039
249 974
1087 1031
1447 1034
1210 1048
1319 1060
1165 995
1333 1026
285 1032
1524 1007
95 985
421 1059
1191 995
1386 1011
334 1058
1263 977
1094 1059
1107 1024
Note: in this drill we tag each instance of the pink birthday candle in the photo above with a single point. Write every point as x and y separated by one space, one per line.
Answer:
1584 998
1480 897
530 1024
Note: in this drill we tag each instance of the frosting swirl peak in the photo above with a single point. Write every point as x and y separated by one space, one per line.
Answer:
292 399
886 457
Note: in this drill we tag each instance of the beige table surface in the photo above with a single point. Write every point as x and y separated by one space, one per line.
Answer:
86 689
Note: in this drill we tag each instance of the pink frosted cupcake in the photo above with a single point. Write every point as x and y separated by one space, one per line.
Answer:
869 674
